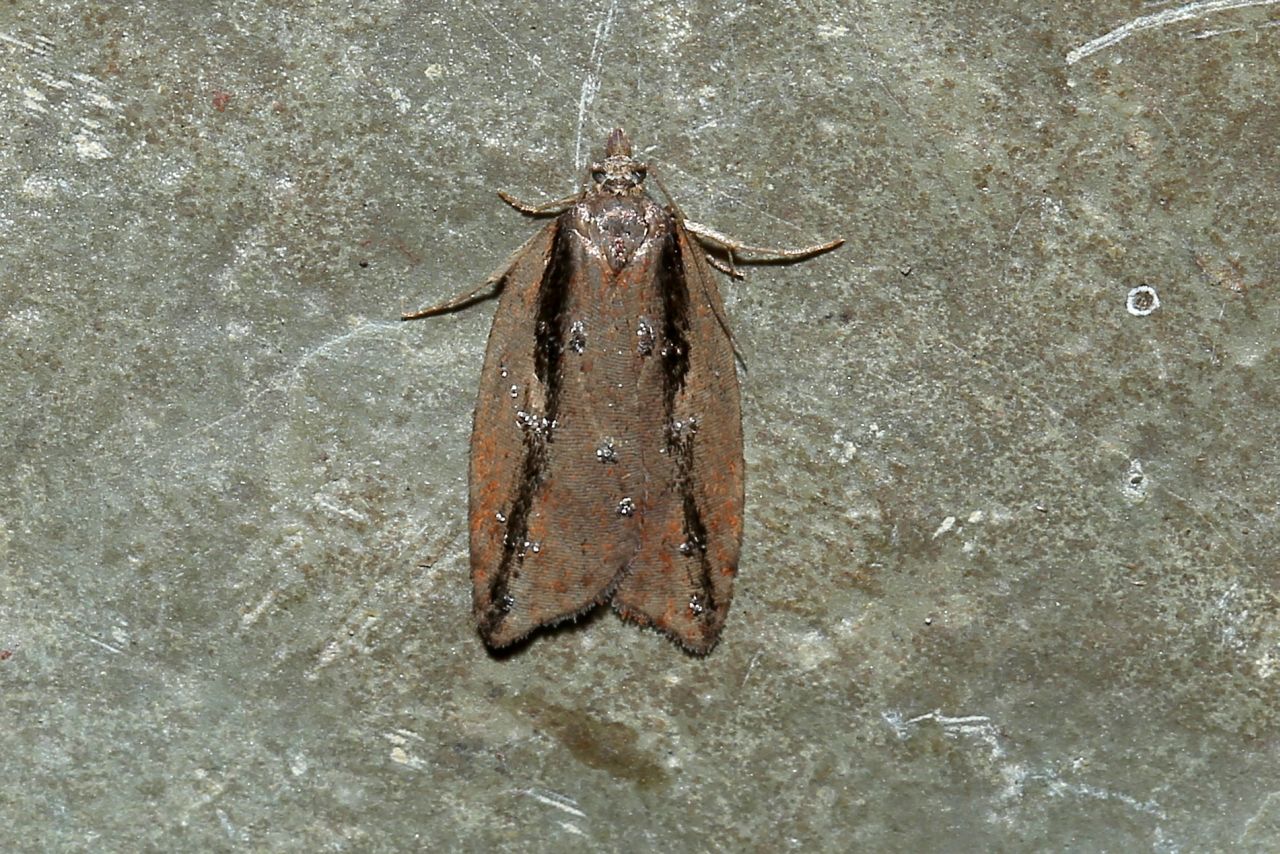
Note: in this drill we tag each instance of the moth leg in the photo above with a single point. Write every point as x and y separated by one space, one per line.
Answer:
724 267
710 235
764 253
493 280
453 303
544 209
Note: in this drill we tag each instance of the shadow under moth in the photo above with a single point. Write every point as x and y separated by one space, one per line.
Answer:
606 451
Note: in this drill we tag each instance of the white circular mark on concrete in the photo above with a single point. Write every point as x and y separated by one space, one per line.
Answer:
1142 300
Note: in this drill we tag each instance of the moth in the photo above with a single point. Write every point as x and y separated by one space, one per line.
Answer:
606 450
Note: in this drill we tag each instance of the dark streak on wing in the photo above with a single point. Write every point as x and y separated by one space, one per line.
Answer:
552 291
673 283
675 296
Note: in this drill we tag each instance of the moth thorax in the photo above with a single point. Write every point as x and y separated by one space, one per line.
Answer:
618 175
623 232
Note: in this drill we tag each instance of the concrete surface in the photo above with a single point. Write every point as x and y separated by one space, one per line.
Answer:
1009 580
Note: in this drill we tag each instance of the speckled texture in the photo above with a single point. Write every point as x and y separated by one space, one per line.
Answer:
1009 574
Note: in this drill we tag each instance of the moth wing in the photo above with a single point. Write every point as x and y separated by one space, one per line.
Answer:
681 578
498 446
545 545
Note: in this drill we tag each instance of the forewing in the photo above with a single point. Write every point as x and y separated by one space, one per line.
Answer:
551 457
681 577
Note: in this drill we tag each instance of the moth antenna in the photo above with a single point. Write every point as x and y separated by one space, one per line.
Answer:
554 206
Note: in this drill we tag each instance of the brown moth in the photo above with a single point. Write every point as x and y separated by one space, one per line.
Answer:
606 451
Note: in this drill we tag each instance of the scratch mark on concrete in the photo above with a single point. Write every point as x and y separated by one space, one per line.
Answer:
979 727
282 382
1188 12
534 59
1208 34
554 799
17 42
1266 813
346 512
591 83
1058 788
258 610
103 644
351 635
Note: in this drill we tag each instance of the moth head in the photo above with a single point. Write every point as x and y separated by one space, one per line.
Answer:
617 173
617 145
